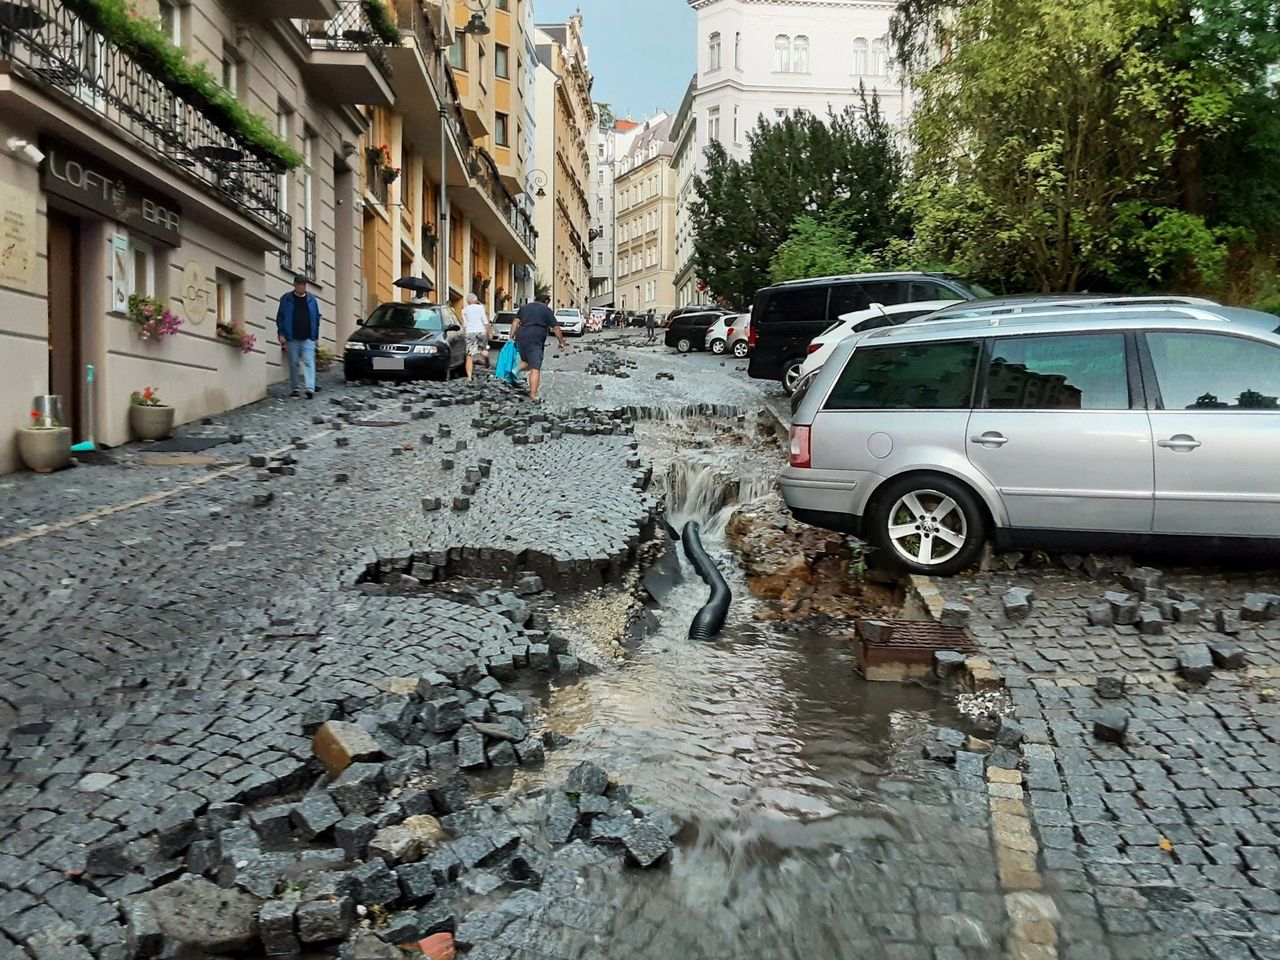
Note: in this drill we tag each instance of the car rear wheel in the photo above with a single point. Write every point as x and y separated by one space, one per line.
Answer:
740 349
927 524
684 345
717 347
791 374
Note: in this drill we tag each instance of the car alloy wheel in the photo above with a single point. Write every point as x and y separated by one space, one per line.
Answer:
684 345
791 375
740 349
717 347
930 524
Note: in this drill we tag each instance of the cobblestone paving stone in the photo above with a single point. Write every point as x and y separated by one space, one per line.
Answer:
1167 844
161 658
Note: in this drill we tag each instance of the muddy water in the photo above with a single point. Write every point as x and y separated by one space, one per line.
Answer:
812 827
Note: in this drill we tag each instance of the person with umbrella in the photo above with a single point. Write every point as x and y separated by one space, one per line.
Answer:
298 327
420 287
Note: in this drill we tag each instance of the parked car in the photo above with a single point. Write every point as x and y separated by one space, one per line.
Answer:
1116 427
740 336
788 315
689 331
406 341
718 333
993 306
860 321
572 322
502 322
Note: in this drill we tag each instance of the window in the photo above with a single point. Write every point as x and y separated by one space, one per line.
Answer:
713 52
847 299
887 292
501 65
142 268
458 54
231 73
501 135
504 4
599 258
880 58
860 48
912 376
1084 372
735 124
800 55
1204 371
308 180
779 113
796 303
284 117
171 21
929 290
782 53
713 123
737 51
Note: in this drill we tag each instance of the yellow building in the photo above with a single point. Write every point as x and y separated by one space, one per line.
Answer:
645 208
482 86
565 118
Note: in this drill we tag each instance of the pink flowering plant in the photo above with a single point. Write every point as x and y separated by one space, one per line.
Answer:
152 319
234 334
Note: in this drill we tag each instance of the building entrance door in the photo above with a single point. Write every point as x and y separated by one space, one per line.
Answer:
66 366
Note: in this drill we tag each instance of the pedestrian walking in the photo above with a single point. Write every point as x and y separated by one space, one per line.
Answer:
479 331
298 326
650 326
529 331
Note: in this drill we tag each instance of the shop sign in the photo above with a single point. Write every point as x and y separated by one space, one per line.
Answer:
99 188
195 294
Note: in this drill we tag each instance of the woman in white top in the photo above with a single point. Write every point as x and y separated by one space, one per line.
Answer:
475 323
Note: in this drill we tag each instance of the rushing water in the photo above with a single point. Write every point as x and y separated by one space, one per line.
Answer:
812 826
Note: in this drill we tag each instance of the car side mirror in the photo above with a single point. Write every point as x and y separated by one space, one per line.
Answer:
452 328
360 321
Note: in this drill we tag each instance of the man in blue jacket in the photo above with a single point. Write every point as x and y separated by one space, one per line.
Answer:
298 324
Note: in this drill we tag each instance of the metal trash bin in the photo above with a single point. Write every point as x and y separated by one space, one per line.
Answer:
50 410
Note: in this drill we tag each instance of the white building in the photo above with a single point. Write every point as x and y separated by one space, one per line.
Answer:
611 140
686 161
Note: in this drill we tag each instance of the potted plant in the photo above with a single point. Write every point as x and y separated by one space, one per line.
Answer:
324 359
234 334
151 318
149 418
380 157
45 445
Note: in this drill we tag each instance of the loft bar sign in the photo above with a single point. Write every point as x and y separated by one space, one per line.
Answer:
101 189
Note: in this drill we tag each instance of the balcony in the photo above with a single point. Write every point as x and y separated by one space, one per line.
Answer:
62 57
348 58
305 9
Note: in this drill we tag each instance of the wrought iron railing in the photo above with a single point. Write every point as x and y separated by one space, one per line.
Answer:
309 253
57 50
286 252
375 181
349 31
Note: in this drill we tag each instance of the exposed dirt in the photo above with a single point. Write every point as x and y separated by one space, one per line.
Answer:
804 571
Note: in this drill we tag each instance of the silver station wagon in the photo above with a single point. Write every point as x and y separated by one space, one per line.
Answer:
1086 428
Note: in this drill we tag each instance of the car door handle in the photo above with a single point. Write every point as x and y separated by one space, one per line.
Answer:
1182 443
989 439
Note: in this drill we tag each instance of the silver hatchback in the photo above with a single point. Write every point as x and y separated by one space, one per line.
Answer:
1094 428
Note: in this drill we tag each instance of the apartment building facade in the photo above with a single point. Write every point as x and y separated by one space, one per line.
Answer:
685 161
645 191
119 182
611 139
565 114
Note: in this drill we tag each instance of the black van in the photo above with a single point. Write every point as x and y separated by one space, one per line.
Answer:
788 315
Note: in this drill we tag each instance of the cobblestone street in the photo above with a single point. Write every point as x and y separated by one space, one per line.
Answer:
409 564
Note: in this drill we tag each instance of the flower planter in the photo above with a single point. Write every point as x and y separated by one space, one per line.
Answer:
45 450
150 423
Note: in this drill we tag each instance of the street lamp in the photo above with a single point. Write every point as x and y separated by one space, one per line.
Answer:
476 26
536 183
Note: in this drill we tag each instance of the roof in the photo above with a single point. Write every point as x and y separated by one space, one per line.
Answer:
1038 301
1203 319
659 133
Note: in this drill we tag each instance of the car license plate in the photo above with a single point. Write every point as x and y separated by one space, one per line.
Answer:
388 363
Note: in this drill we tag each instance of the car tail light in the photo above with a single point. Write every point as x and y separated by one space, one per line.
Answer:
800 447
751 337
815 347
729 333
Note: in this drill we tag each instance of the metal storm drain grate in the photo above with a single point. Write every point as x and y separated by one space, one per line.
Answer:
906 646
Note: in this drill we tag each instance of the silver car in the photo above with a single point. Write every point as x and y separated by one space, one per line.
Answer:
1082 428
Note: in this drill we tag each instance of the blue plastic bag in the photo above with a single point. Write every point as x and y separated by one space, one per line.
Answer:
508 360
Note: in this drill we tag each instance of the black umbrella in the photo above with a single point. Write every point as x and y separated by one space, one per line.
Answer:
415 284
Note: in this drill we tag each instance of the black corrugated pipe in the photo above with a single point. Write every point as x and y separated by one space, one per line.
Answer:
710 618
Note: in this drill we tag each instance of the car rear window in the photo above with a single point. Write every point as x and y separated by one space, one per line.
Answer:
1076 372
794 304
909 376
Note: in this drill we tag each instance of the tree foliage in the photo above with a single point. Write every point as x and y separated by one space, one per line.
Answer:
811 190
1068 143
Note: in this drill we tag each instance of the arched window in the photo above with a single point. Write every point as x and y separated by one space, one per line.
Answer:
782 53
800 55
713 52
737 51
880 58
860 48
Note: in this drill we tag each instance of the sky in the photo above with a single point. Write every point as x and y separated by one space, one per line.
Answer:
641 52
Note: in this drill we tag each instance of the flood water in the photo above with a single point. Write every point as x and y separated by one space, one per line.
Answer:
812 825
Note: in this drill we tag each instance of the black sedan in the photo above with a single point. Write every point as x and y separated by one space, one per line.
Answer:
406 341
689 331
